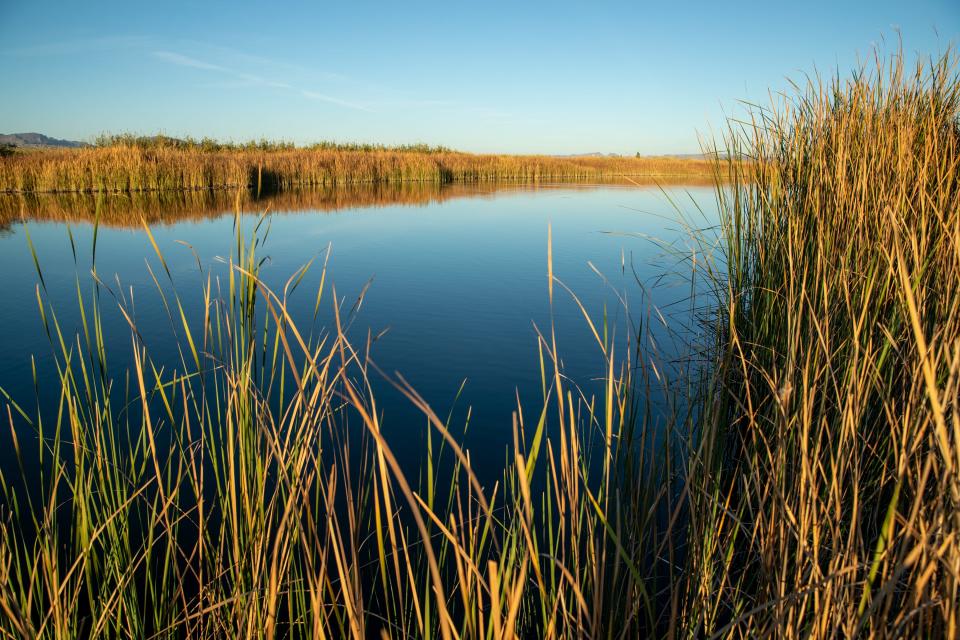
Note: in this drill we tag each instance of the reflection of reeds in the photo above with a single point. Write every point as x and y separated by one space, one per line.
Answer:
132 168
129 209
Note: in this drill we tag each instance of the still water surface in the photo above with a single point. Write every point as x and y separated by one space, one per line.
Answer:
457 283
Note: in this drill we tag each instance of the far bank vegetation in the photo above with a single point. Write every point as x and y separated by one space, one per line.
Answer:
128 164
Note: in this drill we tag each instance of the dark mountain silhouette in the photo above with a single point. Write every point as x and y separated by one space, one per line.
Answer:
36 140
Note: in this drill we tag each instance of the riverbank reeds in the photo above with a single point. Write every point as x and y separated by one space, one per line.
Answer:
825 493
130 166
807 484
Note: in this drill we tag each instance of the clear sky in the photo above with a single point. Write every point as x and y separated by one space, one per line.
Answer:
550 77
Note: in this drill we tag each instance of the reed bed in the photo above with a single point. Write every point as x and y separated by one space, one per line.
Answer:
825 492
801 480
126 166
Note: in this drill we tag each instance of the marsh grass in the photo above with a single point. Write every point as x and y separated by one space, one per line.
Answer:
131 166
825 493
212 145
249 491
802 479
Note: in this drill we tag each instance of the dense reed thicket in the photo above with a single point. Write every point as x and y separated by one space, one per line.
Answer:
825 498
211 144
806 483
133 166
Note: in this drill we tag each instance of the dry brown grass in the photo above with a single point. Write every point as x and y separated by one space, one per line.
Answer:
826 491
122 168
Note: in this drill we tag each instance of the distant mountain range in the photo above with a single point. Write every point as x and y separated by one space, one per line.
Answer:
36 140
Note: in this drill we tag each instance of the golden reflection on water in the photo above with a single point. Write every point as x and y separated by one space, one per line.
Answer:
130 210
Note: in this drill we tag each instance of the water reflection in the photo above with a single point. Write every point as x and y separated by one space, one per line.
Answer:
130 210
454 282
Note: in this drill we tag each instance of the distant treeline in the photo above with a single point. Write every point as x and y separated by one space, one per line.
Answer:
129 164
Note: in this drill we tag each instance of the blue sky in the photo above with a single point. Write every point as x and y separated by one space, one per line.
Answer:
551 77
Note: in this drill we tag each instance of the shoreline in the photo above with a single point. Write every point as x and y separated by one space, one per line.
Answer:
615 180
137 169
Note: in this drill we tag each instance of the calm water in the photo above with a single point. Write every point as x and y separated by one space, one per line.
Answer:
458 279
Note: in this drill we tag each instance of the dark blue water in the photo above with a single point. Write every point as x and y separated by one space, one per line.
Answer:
456 289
